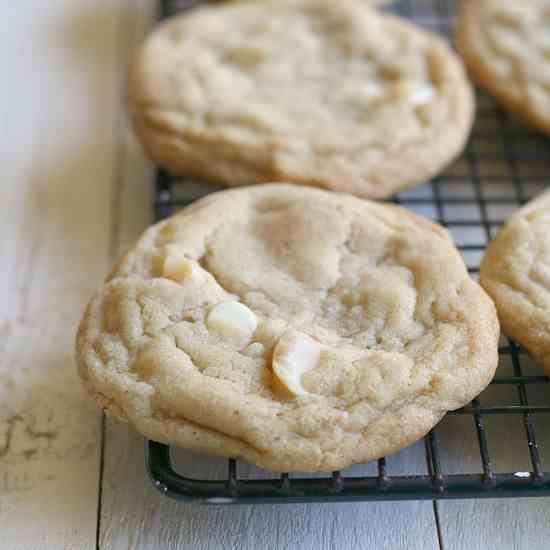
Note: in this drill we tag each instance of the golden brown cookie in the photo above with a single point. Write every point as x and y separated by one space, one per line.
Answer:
292 327
506 46
330 94
516 273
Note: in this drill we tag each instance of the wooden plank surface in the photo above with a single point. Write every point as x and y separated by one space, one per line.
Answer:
135 515
58 103
518 524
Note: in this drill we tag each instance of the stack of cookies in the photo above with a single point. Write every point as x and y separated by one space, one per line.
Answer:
300 325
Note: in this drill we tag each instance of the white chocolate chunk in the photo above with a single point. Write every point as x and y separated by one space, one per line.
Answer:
414 93
294 355
256 349
363 98
177 267
232 319
422 95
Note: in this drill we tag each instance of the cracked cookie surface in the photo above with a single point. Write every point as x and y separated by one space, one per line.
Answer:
506 46
293 327
516 273
321 93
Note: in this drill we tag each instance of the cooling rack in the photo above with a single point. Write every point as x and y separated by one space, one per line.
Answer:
503 166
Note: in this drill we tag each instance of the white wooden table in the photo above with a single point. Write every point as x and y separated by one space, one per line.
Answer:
75 192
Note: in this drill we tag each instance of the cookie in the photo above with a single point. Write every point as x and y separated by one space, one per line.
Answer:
516 273
295 328
329 94
506 47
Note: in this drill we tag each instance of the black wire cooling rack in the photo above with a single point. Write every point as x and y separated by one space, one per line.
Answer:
503 166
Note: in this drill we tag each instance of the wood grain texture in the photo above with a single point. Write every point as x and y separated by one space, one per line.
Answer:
57 113
135 515
511 524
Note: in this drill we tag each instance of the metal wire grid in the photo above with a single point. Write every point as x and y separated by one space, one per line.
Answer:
503 166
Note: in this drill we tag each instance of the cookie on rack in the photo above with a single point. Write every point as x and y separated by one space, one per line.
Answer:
296 328
516 273
321 93
506 46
